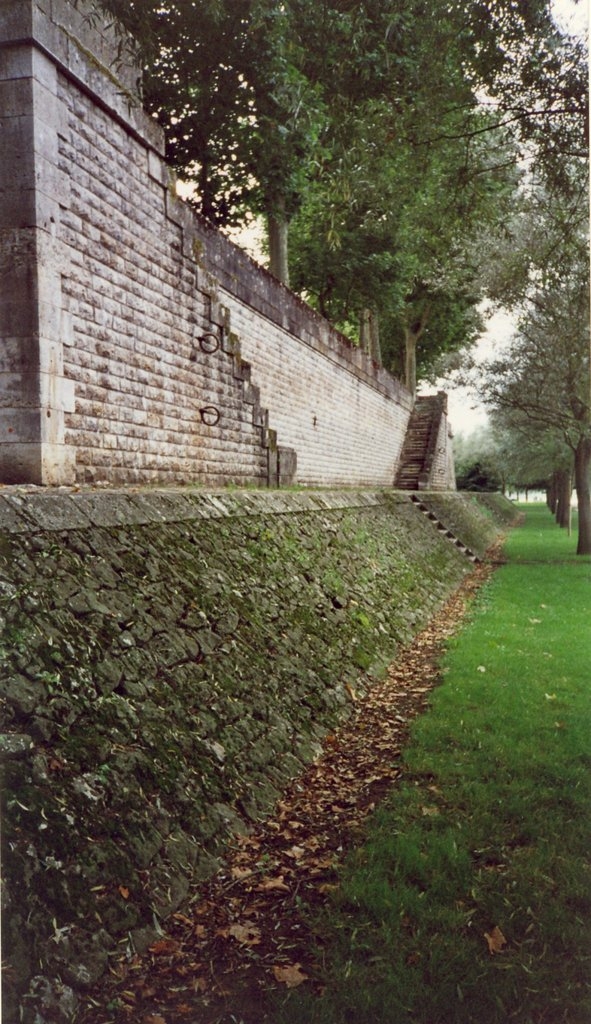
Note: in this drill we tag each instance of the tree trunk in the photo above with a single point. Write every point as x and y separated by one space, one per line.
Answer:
410 362
365 331
583 489
375 347
551 494
564 491
277 229
369 334
412 335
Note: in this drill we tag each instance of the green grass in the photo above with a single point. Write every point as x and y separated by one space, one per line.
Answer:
491 827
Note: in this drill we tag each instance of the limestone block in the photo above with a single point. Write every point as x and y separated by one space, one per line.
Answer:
18 207
18 164
287 466
159 170
19 424
16 97
30 462
16 20
11 520
76 23
104 509
51 512
19 404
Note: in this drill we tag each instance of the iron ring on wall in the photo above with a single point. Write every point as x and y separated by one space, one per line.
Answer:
210 416
209 343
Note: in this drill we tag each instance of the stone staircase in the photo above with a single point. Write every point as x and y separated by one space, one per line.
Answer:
421 435
442 528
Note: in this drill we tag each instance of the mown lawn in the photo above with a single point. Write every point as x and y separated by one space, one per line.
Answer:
471 899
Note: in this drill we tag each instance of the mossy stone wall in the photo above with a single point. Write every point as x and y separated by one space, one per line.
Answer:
168 660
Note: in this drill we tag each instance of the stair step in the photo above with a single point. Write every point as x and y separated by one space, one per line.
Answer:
441 528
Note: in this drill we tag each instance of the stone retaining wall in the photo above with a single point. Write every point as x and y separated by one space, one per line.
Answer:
168 660
137 343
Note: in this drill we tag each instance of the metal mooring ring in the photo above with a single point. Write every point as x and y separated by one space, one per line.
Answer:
209 343
210 415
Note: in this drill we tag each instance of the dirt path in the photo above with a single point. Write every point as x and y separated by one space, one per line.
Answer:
242 934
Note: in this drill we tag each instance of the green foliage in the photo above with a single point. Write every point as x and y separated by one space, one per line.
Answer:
387 132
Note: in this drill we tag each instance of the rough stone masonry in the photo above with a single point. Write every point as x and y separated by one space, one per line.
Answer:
168 660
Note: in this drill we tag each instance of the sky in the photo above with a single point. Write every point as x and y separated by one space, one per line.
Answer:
465 413
572 17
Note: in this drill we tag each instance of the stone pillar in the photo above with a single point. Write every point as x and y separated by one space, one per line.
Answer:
34 395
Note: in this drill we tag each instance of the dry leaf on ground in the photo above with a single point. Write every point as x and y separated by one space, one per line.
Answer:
496 940
247 934
291 975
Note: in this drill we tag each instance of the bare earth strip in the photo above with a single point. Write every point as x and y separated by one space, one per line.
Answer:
242 934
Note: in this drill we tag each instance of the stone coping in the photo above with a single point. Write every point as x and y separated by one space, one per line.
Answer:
28 509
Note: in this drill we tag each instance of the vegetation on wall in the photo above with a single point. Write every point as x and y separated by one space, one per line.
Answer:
161 683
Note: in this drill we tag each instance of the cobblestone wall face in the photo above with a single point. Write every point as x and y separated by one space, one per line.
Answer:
104 376
170 659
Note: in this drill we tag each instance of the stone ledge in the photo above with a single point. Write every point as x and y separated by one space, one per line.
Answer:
25 509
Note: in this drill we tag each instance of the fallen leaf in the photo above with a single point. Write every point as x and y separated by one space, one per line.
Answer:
324 862
163 946
292 975
496 940
124 892
154 1018
246 934
268 884
429 812
240 873
351 692
183 918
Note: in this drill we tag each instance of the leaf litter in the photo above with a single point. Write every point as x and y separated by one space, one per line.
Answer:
243 933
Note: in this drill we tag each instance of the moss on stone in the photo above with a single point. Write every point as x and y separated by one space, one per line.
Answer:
175 677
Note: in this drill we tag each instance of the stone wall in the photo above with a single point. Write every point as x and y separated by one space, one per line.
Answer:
442 473
168 660
127 324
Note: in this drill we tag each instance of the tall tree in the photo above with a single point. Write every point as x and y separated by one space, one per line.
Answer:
542 382
368 122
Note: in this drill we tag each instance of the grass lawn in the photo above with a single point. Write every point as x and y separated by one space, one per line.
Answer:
471 899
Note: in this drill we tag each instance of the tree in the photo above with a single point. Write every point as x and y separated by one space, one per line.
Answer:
385 132
387 227
542 381
241 120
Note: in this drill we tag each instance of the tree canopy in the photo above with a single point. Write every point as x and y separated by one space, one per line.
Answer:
390 135
540 387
